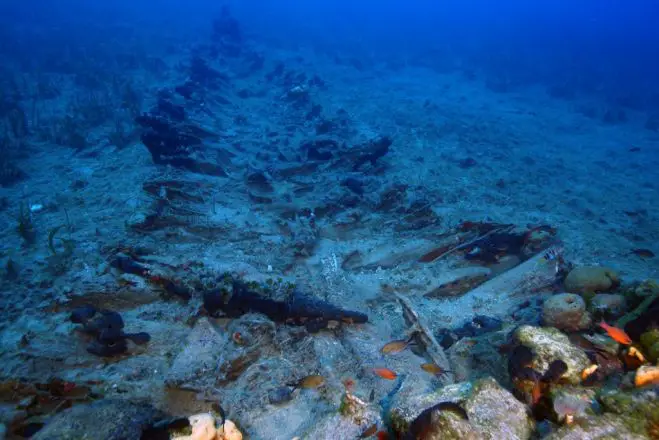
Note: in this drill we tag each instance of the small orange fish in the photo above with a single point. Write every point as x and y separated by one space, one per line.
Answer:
397 346
385 373
433 369
617 334
311 382
349 384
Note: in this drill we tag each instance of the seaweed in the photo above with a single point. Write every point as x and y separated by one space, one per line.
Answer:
51 238
59 262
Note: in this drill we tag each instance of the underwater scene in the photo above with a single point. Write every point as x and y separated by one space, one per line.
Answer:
329 219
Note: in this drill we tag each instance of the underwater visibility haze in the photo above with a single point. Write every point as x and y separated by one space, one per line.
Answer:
278 220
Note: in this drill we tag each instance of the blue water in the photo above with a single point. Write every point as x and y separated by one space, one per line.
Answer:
147 148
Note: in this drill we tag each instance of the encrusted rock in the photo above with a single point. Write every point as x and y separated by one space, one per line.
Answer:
410 401
647 288
606 426
572 402
493 413
566 311
610 305
549 344
335 426
591 279
105 419
496 413
650 343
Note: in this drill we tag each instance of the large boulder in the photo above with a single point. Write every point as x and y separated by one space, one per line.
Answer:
604 427
108 419
496 414
589 279
492 413
549 344
566 311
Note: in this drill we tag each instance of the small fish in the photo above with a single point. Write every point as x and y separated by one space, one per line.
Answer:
349 384
397 346
617 334
382 435
312 381
385 373
370 431
433 369
642 253
634 149
371 397
555 371
552 253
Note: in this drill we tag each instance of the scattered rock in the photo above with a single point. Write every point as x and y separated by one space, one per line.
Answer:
322 148
591 279
371 151
106 326
566 311
418 216
259 182
392 198
549 344
354 185
107 419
